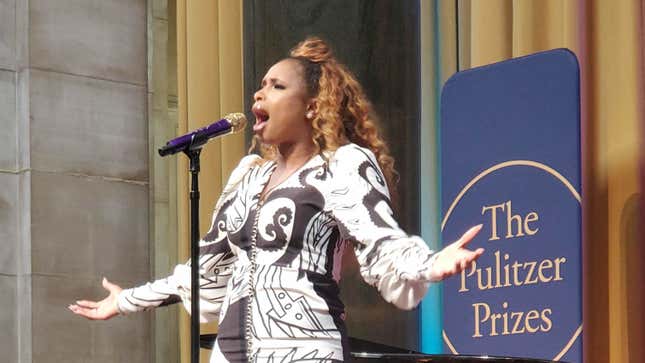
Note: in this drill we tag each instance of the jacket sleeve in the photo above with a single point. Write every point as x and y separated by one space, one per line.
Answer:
215 265
396 263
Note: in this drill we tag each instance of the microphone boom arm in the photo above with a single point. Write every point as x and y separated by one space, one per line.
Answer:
232 123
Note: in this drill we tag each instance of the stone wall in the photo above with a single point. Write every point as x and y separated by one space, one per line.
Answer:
74 176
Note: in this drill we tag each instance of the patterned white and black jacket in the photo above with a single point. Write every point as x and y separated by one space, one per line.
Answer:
304 224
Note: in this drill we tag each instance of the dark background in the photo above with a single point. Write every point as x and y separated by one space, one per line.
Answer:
379 41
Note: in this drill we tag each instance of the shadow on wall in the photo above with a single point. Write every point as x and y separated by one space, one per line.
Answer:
631 233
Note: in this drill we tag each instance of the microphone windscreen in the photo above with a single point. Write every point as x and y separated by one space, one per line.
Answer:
237 121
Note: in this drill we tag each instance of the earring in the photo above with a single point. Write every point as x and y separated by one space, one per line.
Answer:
310 115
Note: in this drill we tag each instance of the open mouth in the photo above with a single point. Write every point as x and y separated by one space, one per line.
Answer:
261 118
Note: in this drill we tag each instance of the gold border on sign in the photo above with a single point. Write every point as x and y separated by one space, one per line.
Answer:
479 177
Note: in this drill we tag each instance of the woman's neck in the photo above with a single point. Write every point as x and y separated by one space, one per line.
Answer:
294 155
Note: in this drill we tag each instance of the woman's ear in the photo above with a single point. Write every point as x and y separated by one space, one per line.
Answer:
311 109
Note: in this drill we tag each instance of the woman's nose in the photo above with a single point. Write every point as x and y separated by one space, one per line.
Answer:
258 95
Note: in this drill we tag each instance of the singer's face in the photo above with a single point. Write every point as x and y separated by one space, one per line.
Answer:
280 106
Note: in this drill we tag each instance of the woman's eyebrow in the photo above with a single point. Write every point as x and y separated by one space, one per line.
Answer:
271 80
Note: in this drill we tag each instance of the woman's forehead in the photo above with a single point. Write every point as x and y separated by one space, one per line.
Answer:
286 69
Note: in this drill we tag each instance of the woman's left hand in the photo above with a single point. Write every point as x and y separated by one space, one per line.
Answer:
455 257
99 310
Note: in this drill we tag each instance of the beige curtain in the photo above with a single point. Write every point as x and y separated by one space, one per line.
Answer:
607 37
210 85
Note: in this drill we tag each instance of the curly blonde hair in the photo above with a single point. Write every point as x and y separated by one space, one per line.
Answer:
342 112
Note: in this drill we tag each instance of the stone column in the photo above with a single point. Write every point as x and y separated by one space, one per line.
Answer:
14 197
74 180
162 111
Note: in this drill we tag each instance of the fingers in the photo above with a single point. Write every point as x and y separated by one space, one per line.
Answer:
469 235
466 260
98 310
101 312
469 258
87 304
454 258
89 313
463 264
113 288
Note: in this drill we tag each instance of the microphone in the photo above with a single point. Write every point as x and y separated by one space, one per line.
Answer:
231 123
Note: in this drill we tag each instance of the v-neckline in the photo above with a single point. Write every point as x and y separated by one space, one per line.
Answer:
264 193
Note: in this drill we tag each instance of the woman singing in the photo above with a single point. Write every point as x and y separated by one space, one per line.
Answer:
270 264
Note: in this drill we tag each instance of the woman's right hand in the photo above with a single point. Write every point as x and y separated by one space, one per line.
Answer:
99 310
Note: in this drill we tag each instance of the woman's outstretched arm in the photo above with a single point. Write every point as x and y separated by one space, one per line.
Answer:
215 268
399 265
99 310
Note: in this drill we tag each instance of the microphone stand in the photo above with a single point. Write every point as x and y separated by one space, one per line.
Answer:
193 155
231 123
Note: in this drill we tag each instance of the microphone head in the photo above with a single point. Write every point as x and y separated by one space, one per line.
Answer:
237 121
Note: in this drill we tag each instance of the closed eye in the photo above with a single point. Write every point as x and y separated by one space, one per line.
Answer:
275 85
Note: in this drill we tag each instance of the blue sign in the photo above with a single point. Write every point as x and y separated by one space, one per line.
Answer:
510 135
